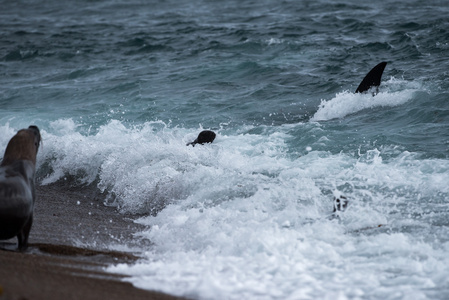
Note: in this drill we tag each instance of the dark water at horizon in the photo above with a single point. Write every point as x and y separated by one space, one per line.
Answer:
119 87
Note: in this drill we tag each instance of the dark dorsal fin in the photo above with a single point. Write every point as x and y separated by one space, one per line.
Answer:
372 79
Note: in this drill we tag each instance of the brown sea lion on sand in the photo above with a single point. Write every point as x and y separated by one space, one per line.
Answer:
205 136
17 191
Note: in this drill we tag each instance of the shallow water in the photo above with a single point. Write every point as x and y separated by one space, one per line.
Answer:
118 88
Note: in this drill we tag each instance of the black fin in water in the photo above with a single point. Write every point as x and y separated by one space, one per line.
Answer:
372 79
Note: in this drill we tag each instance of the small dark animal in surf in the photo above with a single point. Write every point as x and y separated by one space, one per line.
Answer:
340 203
372 79
17 186
205 136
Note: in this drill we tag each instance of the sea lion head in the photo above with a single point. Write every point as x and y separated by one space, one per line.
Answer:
205 136
23 146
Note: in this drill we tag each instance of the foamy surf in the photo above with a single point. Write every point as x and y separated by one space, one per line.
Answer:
256 226
276 242
243 218
348 103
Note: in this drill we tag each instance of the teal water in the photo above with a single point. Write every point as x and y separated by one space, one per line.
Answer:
119 87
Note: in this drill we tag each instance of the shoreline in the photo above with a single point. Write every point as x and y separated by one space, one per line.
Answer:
69 246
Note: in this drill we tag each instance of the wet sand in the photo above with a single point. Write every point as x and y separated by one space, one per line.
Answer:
69 247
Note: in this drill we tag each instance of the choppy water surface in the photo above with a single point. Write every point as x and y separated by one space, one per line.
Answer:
119 87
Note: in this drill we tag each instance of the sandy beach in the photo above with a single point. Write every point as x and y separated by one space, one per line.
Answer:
68 250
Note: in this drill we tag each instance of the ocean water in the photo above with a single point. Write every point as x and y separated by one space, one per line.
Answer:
119 87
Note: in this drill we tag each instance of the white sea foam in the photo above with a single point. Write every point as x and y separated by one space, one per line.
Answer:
347 103
393 93
242 219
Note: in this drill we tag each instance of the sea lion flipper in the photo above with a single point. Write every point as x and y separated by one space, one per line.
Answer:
22 237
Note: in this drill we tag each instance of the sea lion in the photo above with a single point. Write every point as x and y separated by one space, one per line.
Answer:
205 136
340 203
17 190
